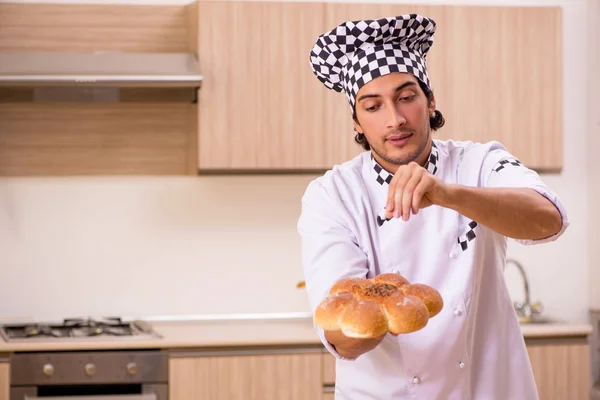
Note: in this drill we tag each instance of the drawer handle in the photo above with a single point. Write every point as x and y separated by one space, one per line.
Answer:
109 397
329 388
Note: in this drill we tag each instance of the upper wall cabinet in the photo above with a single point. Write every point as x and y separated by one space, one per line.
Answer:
260 106
496 74
93 90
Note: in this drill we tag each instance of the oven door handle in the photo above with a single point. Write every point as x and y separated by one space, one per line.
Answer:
107 397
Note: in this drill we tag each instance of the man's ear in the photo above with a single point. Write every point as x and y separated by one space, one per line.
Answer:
432 105
357 126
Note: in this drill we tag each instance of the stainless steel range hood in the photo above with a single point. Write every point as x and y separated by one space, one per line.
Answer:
150 70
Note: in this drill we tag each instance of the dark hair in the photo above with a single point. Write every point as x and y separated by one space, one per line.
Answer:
436 122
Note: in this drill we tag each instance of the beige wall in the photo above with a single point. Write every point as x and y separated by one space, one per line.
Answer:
148 246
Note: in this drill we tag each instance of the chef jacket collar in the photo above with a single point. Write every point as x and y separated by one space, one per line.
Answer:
383 177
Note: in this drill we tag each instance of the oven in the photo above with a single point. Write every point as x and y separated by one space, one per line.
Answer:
90 375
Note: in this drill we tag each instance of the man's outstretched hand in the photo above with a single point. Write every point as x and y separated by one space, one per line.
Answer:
351 348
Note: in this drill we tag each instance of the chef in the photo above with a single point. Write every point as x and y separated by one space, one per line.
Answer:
438 212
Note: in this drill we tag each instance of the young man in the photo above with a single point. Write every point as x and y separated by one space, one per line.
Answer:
437 212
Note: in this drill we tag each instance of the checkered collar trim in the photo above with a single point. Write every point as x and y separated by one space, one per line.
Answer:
383 177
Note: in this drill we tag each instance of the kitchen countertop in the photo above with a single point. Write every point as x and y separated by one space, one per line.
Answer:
239 333
550 330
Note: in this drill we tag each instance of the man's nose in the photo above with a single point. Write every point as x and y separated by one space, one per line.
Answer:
395 117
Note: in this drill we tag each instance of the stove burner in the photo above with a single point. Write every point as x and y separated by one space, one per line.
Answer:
88 322
38 330
76 327
31 331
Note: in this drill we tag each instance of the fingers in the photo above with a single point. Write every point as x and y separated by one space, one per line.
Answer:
399 190
417 200
407 193
393 193
401 193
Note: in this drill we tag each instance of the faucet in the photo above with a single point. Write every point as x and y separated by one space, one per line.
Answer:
525 310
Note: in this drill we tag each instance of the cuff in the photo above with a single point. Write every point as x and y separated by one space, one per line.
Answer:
563 213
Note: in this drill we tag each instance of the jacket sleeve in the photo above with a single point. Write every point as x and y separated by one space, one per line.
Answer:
503 170
329 248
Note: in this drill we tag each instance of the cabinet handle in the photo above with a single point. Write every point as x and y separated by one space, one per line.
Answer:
108 397
329 388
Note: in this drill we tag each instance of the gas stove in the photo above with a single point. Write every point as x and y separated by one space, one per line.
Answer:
78 328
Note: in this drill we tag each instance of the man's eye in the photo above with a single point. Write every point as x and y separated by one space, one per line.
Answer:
371 109
406 98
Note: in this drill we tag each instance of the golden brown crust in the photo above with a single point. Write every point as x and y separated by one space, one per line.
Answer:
364 319
394 279
346 284
405 314
329 312
368 308
431 297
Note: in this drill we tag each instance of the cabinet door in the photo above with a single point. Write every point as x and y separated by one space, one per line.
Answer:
328 369
328 362
260 106
4 381
562 371
251 377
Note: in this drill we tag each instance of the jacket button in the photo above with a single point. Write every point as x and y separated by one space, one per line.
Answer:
457 312
395 271
452 255
416 380
461 365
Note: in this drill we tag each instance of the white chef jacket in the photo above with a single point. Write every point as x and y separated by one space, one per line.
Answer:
474 348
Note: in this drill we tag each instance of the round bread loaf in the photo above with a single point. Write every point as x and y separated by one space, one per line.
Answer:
429 296
368 308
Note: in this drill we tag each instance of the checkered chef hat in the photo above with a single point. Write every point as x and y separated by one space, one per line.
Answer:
356 52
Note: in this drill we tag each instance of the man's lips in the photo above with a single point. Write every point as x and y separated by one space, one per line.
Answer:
398 137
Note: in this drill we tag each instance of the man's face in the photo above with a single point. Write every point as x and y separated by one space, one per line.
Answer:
393 114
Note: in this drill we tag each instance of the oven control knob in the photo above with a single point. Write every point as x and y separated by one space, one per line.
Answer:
90 369
132 368
48 369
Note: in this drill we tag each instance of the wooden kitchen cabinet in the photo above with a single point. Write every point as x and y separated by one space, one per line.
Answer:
248 377
150 131
328 363
260 106
496 73
561 369
4 380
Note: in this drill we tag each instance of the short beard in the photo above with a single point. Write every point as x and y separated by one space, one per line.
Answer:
409 157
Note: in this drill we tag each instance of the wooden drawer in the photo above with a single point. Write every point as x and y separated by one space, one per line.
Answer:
328 369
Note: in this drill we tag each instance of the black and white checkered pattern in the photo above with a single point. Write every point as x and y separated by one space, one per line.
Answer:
381 221
468 236
511 161
382 175
434 156
356 52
